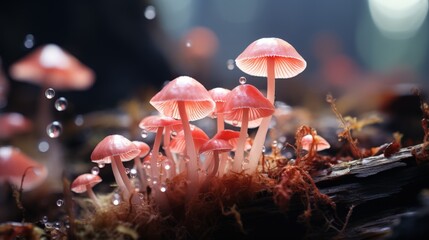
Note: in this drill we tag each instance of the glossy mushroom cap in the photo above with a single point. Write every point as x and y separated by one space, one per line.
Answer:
114 145
152 123
213 144
178 144
219 95
80 184
247 96
144 148
185 89
320 143
288 62
51 66
14 164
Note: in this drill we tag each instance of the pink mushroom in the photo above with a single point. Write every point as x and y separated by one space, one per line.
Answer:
232 137
17 168
272 58
12 124
159 124
245 103
219 96
186 99
214 147
115 149
84 183
317 143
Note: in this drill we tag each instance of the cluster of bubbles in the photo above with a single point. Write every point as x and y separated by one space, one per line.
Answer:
55 128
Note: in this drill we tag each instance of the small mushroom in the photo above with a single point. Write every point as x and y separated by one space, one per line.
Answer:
17 168
84 183
317 143
219 97
245 103
115 149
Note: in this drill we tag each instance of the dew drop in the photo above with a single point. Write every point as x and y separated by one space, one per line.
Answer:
57 225
155 181
149 12
133 173
45 219
54 129
95 171
163 188
242 80
167 165
263 149
48 225
29 41
274 143
61 104
116 199
230 64
49 93
43 146
144 134
101 165
60 202
127 170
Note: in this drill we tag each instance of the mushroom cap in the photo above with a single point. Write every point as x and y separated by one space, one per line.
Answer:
321 143
152 123
288 62
247 96
214 144
14 164
178 144
79 185
227 134
49 65
185 89
144 148
219 96
13 123
114 146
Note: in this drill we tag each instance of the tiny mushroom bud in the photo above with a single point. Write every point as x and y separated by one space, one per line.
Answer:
318 144
115 149
84 183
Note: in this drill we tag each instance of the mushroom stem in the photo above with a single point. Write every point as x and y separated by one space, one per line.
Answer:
167 132
138 165
258 143
216 164
155 154
126 183
92 195
239 153
190 149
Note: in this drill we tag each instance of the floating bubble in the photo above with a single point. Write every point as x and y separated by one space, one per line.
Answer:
144 133
60 202
230 64
43 146
78 120
29 41
95 171
242 80
49 93
149 12
54 129
61 104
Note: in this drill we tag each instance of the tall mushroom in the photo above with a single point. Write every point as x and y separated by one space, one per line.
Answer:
84 183
186 99
245 103
17 168
272 58
115 149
